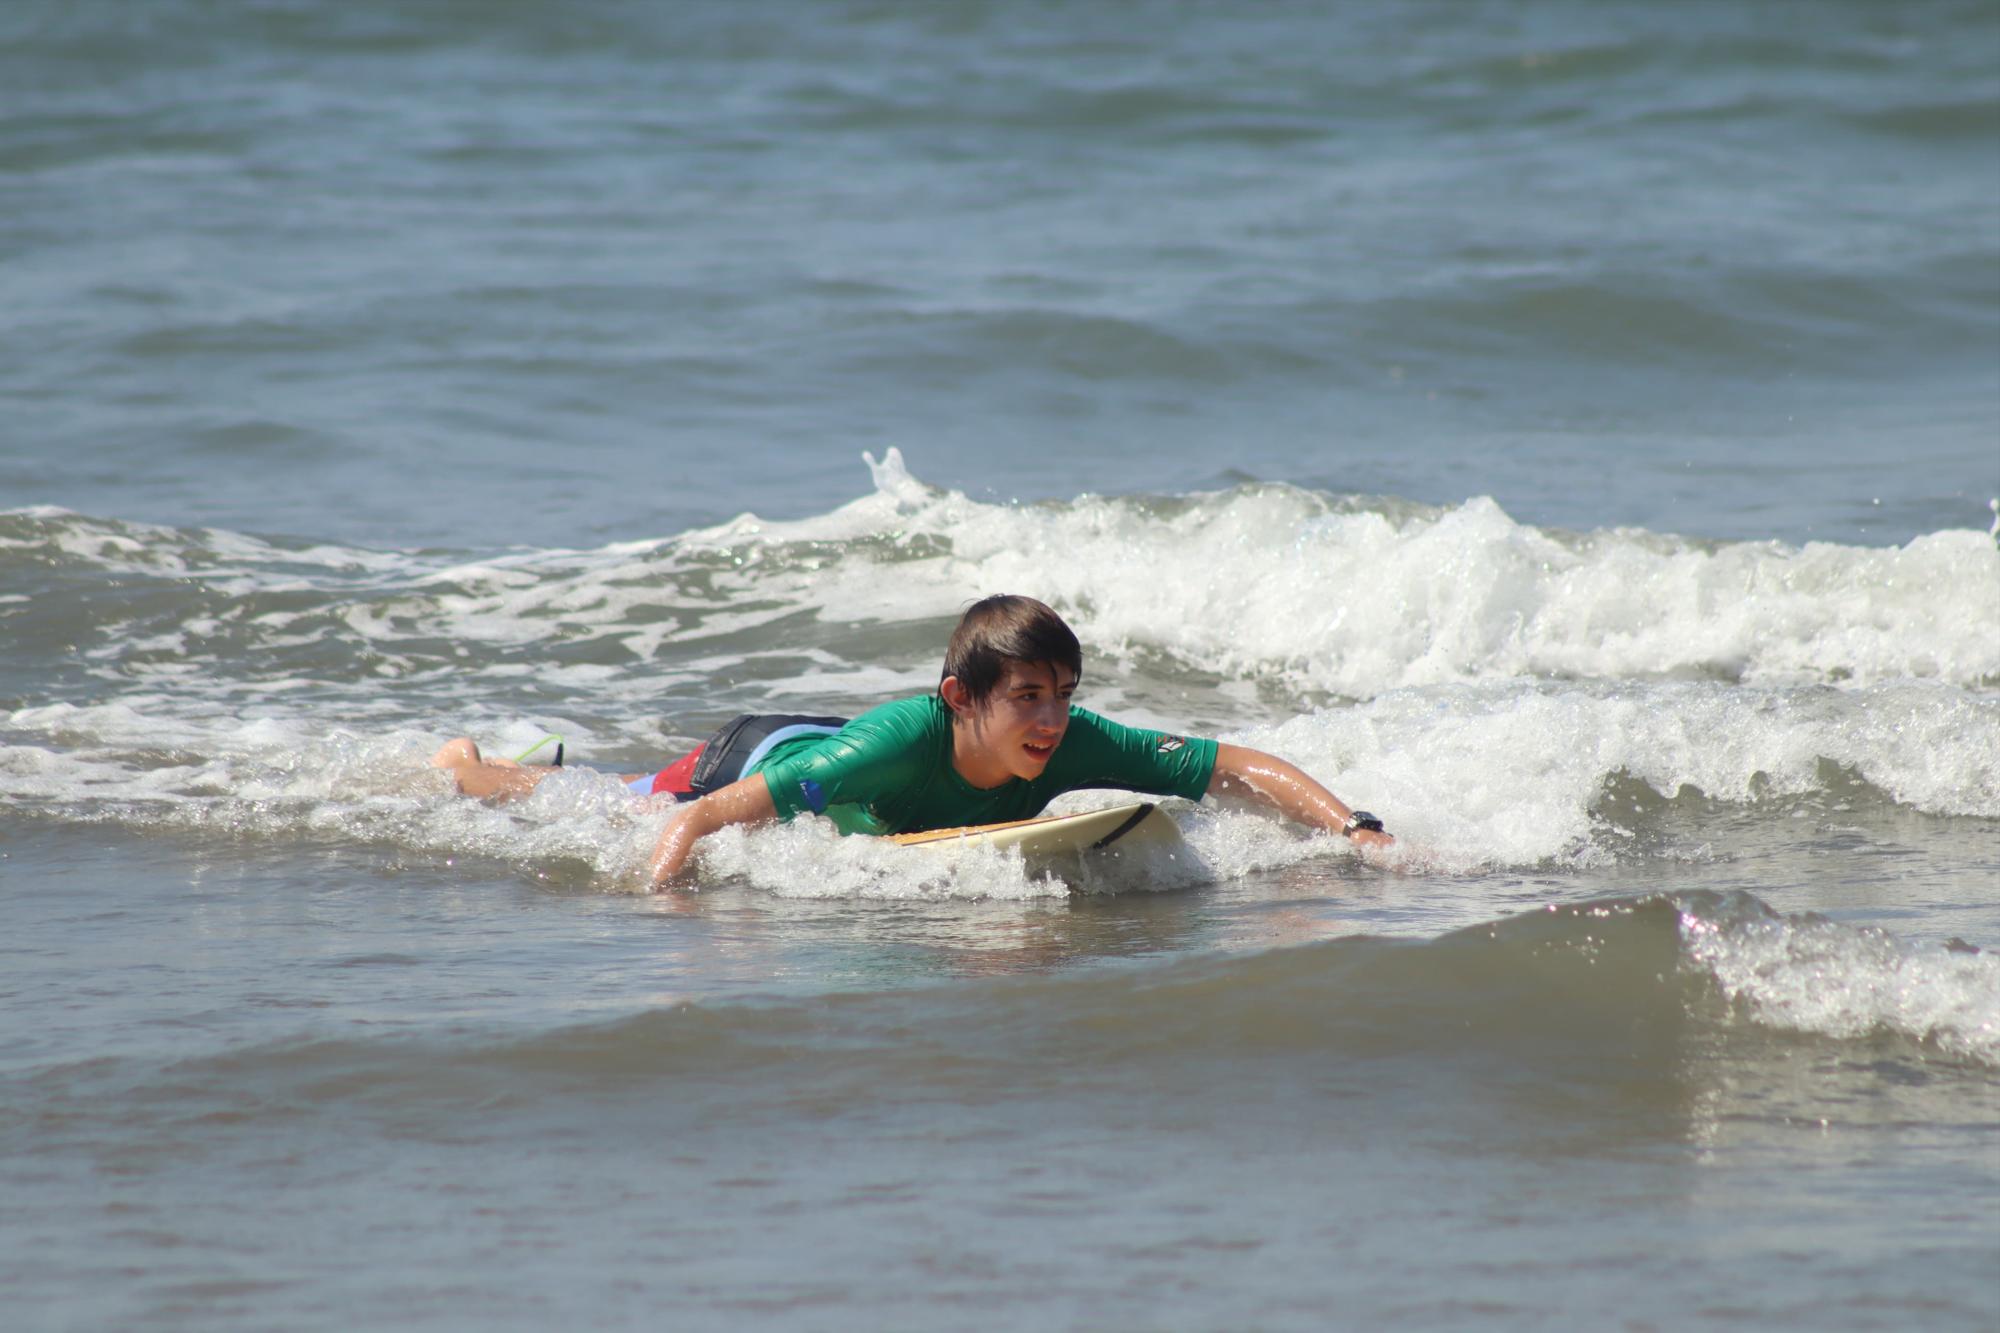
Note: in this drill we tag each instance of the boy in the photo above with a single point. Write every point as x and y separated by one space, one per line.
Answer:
997 742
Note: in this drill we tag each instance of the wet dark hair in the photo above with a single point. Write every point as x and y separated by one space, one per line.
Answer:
1001 629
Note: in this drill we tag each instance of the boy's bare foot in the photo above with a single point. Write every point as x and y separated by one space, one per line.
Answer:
488 779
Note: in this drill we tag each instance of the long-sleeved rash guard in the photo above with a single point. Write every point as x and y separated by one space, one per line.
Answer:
889 770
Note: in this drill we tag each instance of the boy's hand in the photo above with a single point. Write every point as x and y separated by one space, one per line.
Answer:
745 801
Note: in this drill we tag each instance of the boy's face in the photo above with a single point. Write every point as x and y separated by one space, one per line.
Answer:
1020 724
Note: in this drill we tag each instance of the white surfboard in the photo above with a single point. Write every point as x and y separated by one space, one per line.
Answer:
1126 827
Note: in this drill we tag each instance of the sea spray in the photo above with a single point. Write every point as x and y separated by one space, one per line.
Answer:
1804 973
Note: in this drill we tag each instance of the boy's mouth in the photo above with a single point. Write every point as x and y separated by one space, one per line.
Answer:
1038 750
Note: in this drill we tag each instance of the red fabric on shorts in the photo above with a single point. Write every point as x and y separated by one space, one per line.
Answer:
677 776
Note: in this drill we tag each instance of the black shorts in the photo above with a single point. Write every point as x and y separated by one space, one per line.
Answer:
740 744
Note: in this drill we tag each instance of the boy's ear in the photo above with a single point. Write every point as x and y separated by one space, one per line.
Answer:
955 695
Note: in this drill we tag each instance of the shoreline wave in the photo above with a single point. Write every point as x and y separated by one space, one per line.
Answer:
1601 992
1525 688
1256 583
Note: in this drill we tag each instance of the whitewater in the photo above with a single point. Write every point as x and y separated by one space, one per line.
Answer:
1612 708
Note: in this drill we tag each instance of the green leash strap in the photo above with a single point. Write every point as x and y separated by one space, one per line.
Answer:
522 757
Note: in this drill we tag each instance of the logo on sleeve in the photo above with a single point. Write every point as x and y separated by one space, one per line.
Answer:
813 795
1168 744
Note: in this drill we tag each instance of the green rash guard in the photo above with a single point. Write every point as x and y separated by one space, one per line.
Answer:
889 770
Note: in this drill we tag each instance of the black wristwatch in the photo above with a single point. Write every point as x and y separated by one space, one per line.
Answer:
1360 819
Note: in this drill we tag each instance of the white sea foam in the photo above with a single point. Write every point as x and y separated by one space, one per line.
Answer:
1277 581
1511 774
1265 583
1807 974
1272 582
276 778
1471 777
809 859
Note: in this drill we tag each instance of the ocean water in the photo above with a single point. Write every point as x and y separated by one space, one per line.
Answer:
1570 431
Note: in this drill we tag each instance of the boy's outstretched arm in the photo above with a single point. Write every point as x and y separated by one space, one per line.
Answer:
744 802
1242 771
